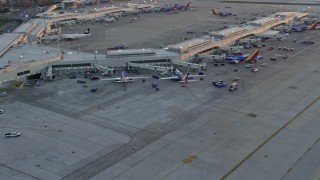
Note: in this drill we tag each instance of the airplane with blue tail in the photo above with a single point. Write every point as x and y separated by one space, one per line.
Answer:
244 58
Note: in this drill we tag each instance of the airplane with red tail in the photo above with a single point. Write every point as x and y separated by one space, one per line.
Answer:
305 28
244 58
214 12
182 78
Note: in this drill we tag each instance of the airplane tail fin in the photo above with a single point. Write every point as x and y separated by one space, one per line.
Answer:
123 74
187 77
313 26
187 6
252 56
174 6
214 12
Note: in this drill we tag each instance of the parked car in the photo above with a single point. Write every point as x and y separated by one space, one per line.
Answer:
118 47
1 111
12 134
3 93
94 78
72 76
233 86
235 79
81 82
219 84
94 89
155 76
273 58
270 48
248 66
260 57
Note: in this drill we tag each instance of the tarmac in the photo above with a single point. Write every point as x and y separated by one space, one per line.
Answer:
267 129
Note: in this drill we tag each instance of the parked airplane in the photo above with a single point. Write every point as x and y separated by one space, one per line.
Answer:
180 77
180 6
123 78
167 8
109 19
75 36
305 27
66 36
175 7
244 58
214 12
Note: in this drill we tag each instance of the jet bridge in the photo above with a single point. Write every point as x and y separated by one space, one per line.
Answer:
49 76
202 66
162 69
104 69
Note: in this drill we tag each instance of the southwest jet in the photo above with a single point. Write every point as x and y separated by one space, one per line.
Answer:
304 27
123 78
180 77
174 7
245 58
214 12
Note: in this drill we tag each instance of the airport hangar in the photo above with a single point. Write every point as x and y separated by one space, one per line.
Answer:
18 61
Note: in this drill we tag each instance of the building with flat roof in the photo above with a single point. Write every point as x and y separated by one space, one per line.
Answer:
188 45
226 33
284 14
263 21
7 40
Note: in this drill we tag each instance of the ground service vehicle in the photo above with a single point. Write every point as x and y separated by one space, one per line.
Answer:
273 58
219 84
3 93
233 86
254 70
94 78
94 89
81 82
72 76
12 134
117 47
235 79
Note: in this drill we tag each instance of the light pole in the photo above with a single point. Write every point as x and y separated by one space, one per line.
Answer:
44 59
95 56
22 65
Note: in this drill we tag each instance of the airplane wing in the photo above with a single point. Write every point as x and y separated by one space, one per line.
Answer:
172 77
110 79
185 81
191 76
140 77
